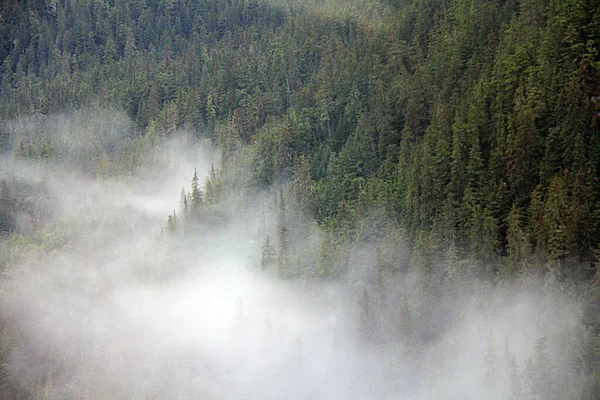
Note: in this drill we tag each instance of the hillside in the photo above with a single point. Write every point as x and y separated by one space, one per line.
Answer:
436 161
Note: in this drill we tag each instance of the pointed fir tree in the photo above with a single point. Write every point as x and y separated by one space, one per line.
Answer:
196 197
578 227
209 193
282 261
183 204
267 253
451 263
518 247
213 174
303 186
555 217
171 227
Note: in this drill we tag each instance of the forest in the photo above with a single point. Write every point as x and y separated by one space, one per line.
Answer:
362 199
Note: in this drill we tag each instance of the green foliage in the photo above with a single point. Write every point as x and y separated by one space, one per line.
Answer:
267 254
437 135
196 197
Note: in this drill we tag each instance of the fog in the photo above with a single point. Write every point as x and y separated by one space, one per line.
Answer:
110 306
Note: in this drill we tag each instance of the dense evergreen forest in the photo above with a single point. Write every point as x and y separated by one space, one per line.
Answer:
437 158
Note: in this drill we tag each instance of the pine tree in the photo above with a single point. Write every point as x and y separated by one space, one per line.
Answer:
383 272
523 145
209 193
303 186
578 227
183 204
451 262
196 198
210 112
229 140
555 217
171 224
267 253
518 247
328 257
483 234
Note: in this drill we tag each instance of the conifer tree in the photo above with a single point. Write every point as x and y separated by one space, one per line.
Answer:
518 247
171 224
209 193
196 197
383 271
451 262
211 187
183 203
578 229
267 253
303 186
555 217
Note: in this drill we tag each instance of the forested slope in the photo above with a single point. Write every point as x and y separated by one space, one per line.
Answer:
449 115
455 141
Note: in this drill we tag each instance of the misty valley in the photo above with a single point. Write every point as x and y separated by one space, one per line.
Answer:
307 199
